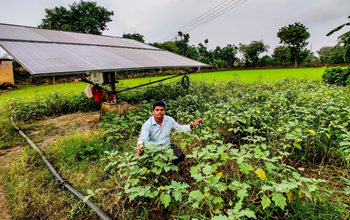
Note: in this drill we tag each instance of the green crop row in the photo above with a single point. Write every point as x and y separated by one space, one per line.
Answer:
249 159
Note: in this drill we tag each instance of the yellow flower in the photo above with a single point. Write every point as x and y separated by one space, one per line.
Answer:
219 174
230 203
206 194
331 124
162 187
261 174
290 196
312 132
258 111
325 92
328 135
231 129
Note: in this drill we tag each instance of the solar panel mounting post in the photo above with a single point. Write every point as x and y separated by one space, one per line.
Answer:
111 79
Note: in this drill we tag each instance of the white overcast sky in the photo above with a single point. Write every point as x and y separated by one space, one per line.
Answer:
155 19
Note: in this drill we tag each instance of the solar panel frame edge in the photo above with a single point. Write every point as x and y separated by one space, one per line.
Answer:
147 46
109 70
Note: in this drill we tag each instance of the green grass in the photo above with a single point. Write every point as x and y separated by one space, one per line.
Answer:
30 92
244 75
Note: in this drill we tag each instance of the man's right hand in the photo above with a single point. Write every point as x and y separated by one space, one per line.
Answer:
139 150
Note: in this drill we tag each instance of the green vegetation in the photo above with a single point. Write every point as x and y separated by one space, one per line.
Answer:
295 36
30 92
337 75
265 149
83 17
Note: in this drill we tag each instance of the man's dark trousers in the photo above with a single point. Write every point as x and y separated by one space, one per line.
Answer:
178 153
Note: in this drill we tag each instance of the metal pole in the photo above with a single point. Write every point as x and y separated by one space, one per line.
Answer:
111 79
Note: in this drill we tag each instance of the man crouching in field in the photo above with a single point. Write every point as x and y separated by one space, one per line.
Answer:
156 131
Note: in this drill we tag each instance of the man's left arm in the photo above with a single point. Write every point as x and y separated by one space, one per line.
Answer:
188 127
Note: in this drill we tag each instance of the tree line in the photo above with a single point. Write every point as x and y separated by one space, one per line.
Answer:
87 17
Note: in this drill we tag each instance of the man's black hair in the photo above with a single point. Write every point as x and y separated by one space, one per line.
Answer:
158 103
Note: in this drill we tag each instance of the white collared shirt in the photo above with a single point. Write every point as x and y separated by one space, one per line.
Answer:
153 133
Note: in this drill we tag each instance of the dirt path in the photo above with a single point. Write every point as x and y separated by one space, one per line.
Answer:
43 133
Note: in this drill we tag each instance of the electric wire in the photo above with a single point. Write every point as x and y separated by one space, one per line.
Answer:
205 19
215 16
175 32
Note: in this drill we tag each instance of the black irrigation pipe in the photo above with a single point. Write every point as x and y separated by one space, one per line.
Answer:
115 92
63 183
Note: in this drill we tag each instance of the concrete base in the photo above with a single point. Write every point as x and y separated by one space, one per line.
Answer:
120 108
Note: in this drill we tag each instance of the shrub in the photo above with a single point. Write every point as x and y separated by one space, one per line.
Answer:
337 75
52 105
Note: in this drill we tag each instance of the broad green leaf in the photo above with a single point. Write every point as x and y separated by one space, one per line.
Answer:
198 177
297 146
177 195
217 199
220 187
242 193
214 180
220 217
238 205
134 182
235 185
165 198
279 200
296 175
265 201
195 170
244 167
247 212
269 166
197 195
207 170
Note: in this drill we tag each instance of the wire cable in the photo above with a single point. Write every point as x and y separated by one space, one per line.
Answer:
175 32
223 12
208 17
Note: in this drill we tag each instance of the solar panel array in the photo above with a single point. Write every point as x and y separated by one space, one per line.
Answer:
49 53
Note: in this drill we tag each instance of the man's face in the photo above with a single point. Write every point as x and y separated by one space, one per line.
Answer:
158 112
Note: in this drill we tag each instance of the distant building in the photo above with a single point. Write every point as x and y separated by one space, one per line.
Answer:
6 71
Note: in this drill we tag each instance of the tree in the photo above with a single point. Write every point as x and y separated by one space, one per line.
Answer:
294 36
344 39
324 51
135 36
82 17
252 51
337 54
280 55
182 43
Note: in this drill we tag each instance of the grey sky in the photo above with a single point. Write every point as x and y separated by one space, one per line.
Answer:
155 19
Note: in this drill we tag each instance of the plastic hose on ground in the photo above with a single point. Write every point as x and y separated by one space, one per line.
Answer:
63 183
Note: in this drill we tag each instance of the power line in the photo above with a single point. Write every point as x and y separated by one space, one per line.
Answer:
207 17
219 7
194 20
